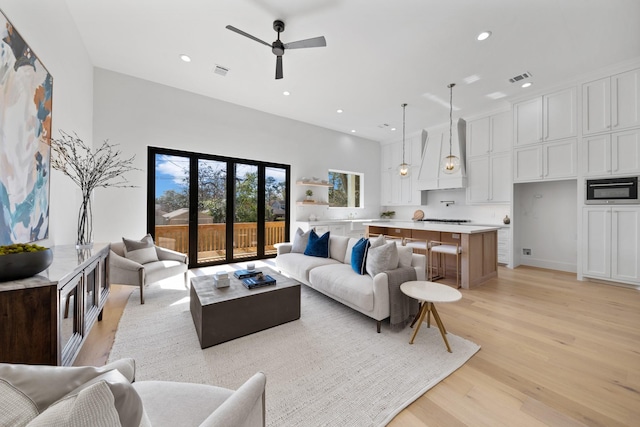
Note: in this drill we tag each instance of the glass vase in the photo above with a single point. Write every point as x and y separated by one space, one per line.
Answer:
85 225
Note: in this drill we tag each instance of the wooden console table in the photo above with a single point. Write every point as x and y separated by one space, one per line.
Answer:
44 319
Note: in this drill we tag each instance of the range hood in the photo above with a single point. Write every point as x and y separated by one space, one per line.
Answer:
435 145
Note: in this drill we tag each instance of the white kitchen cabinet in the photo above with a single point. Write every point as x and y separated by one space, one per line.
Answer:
554 160
504 245
611 103
501 132
611 154
489 135
396 190
489 179
479 137
334 229
489 175
546 118
611 243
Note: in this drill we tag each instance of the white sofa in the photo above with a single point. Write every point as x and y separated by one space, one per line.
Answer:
335 278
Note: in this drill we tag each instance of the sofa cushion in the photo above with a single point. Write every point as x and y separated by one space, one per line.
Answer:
382 258
92 406
299 265
159 270
359 256
405 256
16 408
318 246
141 251
342 282
378 241
338 248
300 241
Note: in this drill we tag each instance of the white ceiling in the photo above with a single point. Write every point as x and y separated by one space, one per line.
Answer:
379 54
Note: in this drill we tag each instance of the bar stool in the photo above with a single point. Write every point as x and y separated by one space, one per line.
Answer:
444 249
419 245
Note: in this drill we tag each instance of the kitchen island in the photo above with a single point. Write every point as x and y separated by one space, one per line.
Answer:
479 257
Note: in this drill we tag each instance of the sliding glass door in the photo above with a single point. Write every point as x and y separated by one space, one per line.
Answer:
217 209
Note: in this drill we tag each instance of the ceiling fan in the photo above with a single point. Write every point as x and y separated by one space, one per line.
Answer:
278 48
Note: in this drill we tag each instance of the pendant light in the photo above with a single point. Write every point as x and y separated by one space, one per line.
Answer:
450 164
404 169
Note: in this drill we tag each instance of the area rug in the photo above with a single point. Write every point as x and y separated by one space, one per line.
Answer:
329 368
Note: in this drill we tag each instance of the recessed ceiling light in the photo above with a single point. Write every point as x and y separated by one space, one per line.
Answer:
527 84
483 35
286 93
393 128
353 131
339 111
185 58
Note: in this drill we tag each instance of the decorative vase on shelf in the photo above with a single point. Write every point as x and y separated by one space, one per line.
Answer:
84 238
506 219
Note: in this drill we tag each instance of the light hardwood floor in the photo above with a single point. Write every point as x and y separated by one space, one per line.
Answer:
555 352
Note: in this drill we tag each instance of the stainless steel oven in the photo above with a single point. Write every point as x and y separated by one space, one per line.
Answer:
615 191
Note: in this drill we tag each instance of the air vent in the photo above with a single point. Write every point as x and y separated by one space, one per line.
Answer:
220 70
520 77
383 126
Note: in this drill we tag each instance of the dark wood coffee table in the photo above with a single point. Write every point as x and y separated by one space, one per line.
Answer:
225 314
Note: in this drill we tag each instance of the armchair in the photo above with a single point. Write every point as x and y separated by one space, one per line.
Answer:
43 395
125 271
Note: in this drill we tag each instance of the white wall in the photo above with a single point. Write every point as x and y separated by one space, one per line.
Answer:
137 113
49 30
545 221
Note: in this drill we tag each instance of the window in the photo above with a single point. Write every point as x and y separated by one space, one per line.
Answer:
346 189
217 209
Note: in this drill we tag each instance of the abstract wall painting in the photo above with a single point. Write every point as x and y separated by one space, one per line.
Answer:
25 147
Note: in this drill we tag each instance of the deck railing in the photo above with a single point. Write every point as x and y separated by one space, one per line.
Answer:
212 237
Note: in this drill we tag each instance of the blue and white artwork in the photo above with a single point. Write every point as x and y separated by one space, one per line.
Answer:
25 140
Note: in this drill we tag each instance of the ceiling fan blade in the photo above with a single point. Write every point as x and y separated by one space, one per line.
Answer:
314 42
242 33
278 67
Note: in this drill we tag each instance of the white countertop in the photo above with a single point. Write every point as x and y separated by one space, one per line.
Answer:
446 228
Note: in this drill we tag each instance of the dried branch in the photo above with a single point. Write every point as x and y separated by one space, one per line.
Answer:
89 169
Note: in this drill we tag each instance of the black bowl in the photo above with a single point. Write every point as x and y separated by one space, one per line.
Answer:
24 264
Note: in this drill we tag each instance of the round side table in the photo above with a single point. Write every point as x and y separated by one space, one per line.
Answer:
428 293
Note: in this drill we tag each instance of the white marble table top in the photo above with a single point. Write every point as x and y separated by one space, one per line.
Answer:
423 290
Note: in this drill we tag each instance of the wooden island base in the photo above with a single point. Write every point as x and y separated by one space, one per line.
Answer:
479 258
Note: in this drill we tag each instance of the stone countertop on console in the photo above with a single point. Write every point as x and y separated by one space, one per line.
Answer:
67 260
446 228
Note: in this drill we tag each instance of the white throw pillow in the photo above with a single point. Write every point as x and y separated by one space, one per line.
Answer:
300 241
382 258
93 406
405 256
16 408
141 251
378 241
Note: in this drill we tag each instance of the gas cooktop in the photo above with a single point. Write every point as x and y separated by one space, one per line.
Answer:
448 221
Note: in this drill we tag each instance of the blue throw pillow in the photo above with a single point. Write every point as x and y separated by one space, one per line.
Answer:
318 246
359 256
